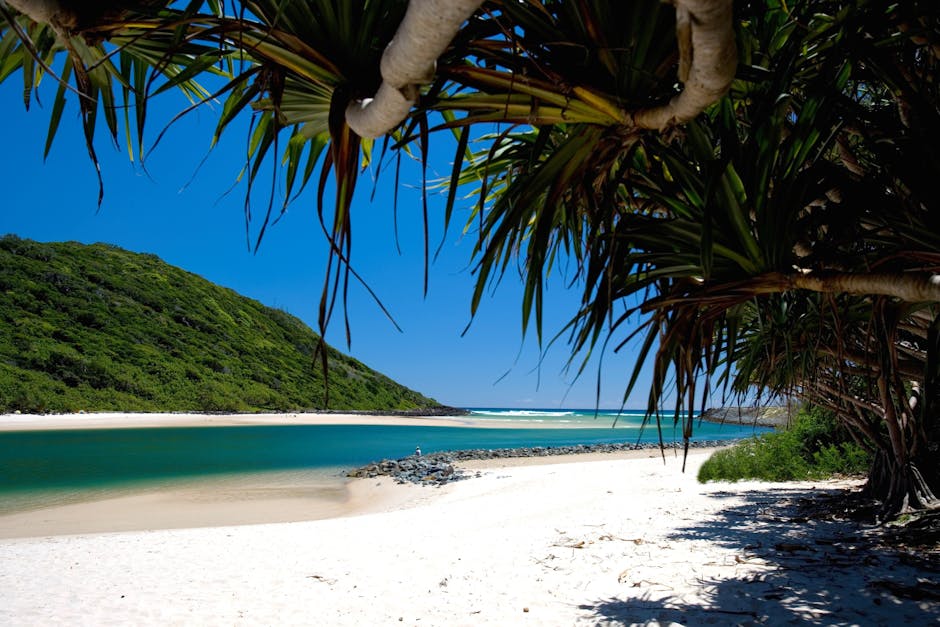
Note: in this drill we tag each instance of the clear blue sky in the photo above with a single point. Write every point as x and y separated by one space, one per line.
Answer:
190 221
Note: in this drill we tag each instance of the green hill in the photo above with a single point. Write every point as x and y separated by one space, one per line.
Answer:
98 328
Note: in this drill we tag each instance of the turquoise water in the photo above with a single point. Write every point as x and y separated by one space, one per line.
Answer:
76 462
576 418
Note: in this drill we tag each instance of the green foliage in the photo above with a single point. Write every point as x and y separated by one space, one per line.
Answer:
814 447
98 328
784 240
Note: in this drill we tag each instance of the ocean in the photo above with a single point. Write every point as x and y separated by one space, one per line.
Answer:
42 468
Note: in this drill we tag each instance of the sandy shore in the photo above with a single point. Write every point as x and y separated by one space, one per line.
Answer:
123 420
290 496
204 503
606 541
104 420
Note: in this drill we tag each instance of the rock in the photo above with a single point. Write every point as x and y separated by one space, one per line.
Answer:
438 468
771 416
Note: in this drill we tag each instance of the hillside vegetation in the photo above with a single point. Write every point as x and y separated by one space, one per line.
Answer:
99 328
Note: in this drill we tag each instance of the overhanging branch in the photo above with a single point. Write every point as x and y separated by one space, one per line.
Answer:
708 60
704 30
408 62
908 287
42 11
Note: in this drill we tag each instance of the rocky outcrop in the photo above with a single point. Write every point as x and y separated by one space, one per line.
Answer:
776 417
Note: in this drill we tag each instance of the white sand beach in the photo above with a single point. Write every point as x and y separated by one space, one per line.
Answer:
116 420
589 541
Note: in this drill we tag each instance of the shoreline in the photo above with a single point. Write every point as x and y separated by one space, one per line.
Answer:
140 420
271 499
610 541
440 468
124 420
279 496
202 504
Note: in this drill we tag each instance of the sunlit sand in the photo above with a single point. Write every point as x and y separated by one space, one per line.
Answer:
591 541
104 420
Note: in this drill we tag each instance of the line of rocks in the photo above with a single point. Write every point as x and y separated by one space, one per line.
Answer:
437 469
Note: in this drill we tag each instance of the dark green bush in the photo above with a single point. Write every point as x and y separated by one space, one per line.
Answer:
814 447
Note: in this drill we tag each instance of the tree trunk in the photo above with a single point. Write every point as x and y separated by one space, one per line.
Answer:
899 488
930 404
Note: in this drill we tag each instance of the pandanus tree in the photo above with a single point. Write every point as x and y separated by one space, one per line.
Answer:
777 231
861 336
807 188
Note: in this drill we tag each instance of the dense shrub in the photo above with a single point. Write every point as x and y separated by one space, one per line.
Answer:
814 447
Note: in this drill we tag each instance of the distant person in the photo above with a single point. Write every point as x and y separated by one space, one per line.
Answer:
417 451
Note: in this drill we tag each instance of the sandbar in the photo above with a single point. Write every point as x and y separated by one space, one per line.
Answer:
119 420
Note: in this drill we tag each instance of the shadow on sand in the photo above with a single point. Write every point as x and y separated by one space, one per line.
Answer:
789 567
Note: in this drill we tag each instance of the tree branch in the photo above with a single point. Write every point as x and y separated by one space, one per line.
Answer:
708 59
864 404
908 287
704 29
408 61
42 11
909 368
